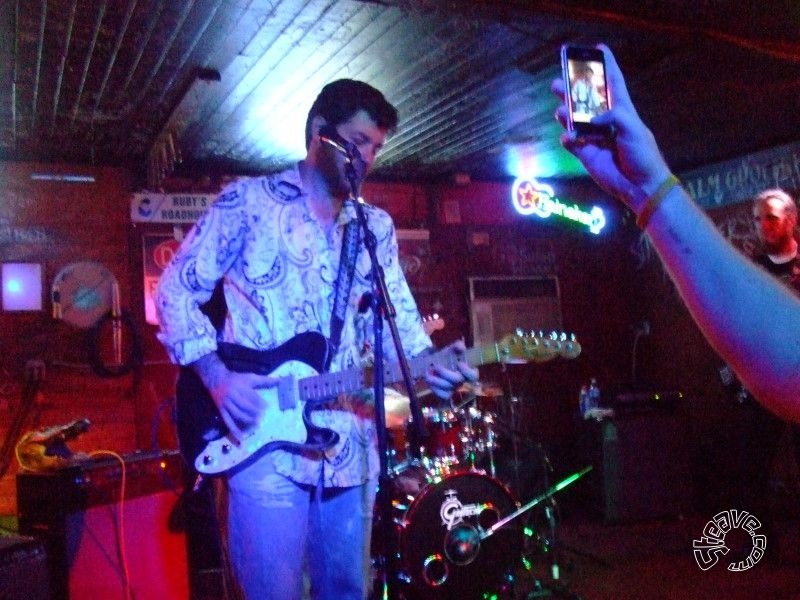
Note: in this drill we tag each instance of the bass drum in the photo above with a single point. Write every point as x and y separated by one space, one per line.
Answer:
441 553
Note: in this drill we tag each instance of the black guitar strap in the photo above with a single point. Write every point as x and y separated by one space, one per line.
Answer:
344 280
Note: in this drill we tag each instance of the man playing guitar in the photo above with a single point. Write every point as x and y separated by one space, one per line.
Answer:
276 242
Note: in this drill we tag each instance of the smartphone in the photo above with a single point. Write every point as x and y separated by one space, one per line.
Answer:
586 90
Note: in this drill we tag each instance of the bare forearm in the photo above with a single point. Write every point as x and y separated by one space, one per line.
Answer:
211 370
749 318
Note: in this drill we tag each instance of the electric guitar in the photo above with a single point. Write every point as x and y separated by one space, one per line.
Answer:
285 423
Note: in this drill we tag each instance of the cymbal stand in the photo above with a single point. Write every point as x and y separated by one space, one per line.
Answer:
552 546
550 506
472 414
491 442
513 401
549 542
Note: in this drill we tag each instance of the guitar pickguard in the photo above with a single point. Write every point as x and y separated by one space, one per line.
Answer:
282 424
285 423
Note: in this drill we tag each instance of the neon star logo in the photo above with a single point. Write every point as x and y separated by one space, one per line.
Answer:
533 198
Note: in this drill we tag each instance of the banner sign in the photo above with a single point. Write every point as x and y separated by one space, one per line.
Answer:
159 250
742 179
169 208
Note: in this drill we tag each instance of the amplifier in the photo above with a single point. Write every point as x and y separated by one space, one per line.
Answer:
42 497
99 544
641 466
647 402
23 569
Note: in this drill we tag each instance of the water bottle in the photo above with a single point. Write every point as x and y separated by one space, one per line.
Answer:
583 400
594 394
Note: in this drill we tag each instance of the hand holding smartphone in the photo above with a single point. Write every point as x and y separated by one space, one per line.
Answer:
586 88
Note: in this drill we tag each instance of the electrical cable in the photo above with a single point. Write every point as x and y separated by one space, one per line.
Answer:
119 323
34 374
120 530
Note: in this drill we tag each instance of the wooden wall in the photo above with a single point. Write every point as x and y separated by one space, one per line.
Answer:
57 224
607 283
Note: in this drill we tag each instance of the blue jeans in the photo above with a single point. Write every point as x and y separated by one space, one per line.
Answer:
277 528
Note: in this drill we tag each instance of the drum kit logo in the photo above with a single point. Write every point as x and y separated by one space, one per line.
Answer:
453 512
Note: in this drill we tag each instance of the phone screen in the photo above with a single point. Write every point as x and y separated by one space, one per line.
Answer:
587 89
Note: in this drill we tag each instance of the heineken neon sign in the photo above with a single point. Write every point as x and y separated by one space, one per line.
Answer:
533 198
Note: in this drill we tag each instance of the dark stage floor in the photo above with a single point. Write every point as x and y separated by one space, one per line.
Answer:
641 560
654 560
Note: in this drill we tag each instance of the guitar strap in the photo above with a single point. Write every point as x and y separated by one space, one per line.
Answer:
344 279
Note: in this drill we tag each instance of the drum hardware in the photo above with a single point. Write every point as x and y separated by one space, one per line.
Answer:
478 438
547 541
455 438
541 534
426 508
452 519
455 533
468 544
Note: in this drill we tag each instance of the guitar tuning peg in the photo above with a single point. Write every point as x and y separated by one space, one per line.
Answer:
519 332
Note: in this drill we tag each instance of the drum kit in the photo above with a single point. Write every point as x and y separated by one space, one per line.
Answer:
455 438
455 520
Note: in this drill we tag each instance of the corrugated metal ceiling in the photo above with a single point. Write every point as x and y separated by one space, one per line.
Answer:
224 85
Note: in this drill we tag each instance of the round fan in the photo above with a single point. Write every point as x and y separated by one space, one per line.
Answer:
83 293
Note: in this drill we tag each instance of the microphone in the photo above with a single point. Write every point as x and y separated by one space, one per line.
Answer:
329 135
59 434
47 449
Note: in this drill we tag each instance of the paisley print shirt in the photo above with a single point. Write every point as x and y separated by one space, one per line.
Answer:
279 269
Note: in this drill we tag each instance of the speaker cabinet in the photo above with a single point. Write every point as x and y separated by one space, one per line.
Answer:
103 545
23 569
640 466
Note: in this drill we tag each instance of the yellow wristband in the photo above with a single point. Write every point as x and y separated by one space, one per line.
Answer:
655 199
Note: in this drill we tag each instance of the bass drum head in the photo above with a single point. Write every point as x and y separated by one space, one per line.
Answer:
440 546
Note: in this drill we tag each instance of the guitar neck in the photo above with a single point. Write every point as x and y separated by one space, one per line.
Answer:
419 365
326 385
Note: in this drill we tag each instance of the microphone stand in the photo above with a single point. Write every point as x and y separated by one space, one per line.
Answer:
550 545
383 309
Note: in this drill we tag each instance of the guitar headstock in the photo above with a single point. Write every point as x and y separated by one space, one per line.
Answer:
525 347
570 348
431 323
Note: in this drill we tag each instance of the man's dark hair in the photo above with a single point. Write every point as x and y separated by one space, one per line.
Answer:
341 99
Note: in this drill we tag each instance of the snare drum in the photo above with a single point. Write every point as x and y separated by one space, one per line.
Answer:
443 441
439 522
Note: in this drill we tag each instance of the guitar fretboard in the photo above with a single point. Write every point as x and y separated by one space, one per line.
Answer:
326 385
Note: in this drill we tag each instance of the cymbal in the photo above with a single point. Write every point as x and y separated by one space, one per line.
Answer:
397 409
484 390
